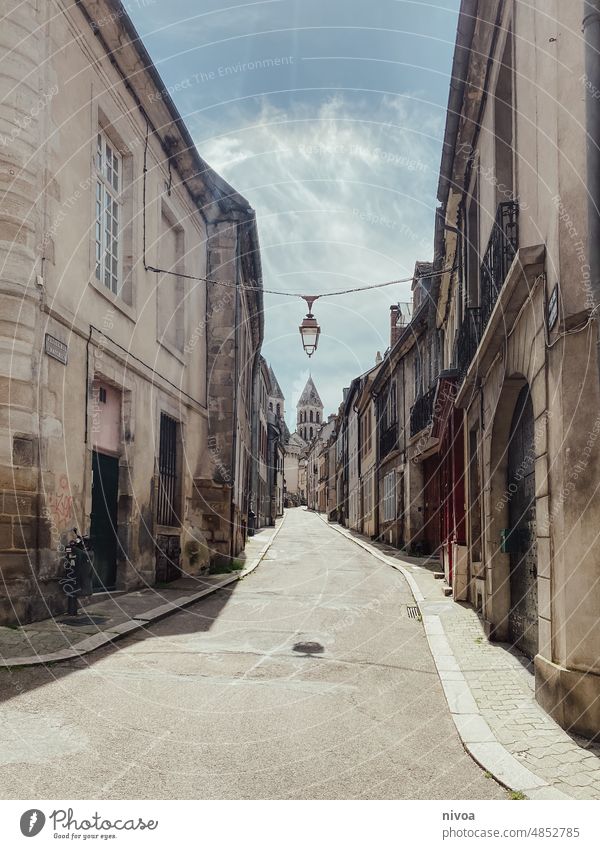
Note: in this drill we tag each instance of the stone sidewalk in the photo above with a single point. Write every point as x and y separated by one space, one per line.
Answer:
113 615
490 692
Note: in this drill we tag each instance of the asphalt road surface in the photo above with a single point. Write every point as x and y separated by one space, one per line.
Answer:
305 680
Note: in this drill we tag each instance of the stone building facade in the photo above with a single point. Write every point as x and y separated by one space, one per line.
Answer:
295 460
125 382
516 313
268 454
260 504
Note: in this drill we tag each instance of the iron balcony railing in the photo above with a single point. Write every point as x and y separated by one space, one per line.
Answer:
421 413
388 440
500 253
467 341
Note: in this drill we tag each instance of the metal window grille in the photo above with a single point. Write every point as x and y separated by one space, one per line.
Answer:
166 513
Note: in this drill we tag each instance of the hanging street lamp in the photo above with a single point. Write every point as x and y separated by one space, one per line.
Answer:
309 329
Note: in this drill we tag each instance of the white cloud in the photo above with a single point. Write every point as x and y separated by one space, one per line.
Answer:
345 196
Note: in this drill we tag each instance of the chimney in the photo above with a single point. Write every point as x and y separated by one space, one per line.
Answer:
394 329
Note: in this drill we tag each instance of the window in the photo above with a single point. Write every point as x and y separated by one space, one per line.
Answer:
278 409
170 291
365 433
317 417
311 433
108 214
311 416
367 497
389 497
418 381
167 502
503 125
472 247
434 357
388 412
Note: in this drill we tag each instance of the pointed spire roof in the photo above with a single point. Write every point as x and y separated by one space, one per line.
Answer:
275 387
310 396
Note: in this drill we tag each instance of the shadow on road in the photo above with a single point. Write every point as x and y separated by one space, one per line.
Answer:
198 618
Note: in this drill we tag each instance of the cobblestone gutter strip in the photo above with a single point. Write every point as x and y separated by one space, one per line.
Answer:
476 735
142 620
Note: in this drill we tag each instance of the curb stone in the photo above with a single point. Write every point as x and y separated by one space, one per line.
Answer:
142 620
474 732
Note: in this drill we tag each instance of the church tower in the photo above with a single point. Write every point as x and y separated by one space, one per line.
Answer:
309 412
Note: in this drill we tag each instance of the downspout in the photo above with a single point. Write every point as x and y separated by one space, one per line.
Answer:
234 418
376 528
254 434
591 32
405 500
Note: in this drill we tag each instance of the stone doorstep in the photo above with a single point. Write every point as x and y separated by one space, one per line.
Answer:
111 634
475 734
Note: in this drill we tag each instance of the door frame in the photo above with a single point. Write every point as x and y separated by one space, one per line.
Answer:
100 370
518 558
112 585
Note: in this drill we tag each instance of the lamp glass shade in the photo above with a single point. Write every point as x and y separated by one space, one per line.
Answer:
309 331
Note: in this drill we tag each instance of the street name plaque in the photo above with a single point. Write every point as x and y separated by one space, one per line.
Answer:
56 349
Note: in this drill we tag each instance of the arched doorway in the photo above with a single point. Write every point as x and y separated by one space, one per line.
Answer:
523 614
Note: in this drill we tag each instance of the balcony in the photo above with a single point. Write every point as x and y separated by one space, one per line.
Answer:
467 341
421 413
500 253
388 440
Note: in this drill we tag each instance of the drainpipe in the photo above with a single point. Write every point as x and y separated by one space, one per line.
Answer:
591 32
236 390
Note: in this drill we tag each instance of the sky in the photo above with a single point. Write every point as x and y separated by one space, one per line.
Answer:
328 116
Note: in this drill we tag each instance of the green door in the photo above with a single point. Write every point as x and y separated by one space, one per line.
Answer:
103 532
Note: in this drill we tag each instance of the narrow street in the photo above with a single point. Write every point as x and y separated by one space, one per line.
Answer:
308 679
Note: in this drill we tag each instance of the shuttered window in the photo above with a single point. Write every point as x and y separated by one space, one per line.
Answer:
389 497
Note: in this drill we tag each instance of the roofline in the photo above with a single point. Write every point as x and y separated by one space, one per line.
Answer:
227 195
467 19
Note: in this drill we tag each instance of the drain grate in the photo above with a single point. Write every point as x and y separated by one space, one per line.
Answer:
413 611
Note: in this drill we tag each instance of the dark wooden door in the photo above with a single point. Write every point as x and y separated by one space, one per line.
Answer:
103 531
432 505
523 616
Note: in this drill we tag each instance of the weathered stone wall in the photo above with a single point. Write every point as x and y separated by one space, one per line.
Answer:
49 116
